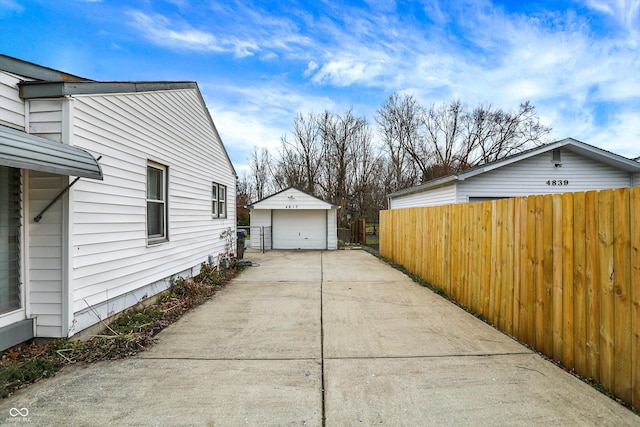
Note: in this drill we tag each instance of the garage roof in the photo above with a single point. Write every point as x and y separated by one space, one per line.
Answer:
21 150
291 198
570 144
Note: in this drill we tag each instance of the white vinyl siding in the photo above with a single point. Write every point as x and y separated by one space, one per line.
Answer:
530 176
534 175
45 253
298 221
437 196
111 257
332 230
12 111
291 199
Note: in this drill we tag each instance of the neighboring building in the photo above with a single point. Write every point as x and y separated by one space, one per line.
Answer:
156 191
559 167
293 219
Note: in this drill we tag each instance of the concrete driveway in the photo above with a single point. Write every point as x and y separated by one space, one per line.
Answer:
321 338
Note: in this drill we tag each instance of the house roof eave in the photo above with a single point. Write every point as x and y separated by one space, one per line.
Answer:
34 90
429 185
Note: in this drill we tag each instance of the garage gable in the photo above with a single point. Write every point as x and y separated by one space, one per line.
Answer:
290 199
293 219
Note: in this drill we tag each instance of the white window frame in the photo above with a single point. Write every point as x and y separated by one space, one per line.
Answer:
218 200
164 235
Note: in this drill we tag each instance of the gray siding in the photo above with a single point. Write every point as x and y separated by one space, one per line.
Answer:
111 257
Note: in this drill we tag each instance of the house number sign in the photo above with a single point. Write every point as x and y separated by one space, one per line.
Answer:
557 182
291 207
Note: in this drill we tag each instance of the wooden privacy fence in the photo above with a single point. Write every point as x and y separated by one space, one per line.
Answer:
558 272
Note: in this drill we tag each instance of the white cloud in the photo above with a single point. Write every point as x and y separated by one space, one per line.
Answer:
256 115
311 67
474 51
158 29
161 31
345 72
626 12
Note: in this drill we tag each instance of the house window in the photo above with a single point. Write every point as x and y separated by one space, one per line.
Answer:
156 203
218 201
10 214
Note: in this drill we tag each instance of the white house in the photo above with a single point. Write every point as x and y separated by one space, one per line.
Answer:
156 190
562 166
293 219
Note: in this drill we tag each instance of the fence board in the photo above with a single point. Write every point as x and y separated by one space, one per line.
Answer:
518 266
635 294
592 290
559 272
532 222
557 296
475 265
508 283
605 258
485 280
456 225
465 256
567 284
579 296
497 247
538 274
547 271
621 299
523 281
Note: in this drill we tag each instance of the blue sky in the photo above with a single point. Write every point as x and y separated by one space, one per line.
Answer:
259 63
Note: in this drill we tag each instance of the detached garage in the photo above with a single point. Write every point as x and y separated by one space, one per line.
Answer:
293 219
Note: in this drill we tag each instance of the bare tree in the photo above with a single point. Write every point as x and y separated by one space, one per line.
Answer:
506 133
399 122
260 172
301 158
243 198
332 156
340 136
459 139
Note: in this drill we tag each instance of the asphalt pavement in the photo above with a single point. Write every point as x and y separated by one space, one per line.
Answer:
310 338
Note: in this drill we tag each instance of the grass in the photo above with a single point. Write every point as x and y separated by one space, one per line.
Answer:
130 333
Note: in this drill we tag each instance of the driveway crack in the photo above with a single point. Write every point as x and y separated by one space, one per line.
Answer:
324 417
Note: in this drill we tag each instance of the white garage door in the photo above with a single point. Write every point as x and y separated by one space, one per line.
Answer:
299 229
